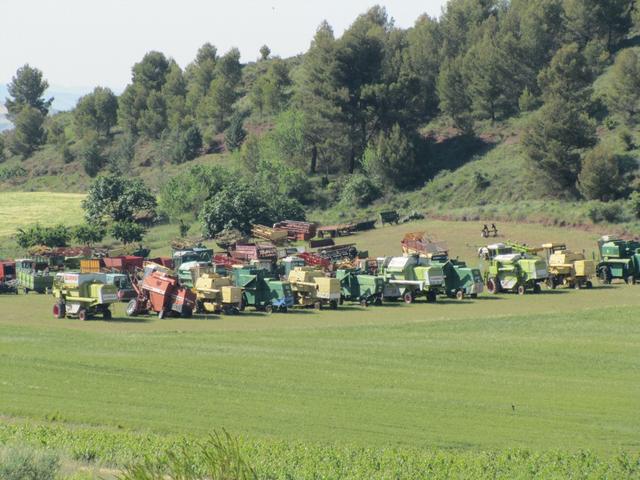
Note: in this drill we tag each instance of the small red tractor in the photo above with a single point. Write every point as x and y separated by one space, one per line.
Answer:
161 293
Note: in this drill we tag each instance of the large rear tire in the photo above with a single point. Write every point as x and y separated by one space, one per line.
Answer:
493 286
459 295
83 315
409 297
521 290
59 310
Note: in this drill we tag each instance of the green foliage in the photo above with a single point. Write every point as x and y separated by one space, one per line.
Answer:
127 231
453 94
184 194
634 201
10 172
116 198
391 159
359 191
607 20
179 146
610 212
91 155
235 134
623 96
96 112
527 101
29 133
605 174
26 89
553 141
265 51
2 155
20 462
88 233
239 205
270 92
568 76
57 236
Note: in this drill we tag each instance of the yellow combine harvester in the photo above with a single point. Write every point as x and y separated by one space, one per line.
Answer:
567 268
311 288
216 294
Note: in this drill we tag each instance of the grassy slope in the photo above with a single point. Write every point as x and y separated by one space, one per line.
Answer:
429 376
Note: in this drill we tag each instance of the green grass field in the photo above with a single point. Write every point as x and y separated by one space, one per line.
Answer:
359 388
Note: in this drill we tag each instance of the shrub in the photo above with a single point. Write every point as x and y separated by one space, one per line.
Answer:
359 191
57 236
8 173
25 463
605 174
609 212
634 200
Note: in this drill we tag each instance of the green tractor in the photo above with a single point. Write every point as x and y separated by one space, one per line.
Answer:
261 291
359 287
460 280
83 295
413 277
619 259
513 268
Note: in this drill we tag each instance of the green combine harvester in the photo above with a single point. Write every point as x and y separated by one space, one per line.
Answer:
83 295
460 280
261 291
619 259
413 277
513 268
359 287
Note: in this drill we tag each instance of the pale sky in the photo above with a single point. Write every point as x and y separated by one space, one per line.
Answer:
84 43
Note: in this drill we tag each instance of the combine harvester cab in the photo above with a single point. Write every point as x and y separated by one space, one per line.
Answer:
160 292
262 292
83 295
513 271
312 288
359 287
34 276
217 294
619 259
414 278
569 269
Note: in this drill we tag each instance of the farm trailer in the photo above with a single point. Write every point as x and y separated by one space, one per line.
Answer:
262 291
83 295
619 259
33 276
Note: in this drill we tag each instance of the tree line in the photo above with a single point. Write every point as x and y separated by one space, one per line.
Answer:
354 105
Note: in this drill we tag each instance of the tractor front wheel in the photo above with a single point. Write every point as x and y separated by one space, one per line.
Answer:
59 310
631 280
521 290
459 295
409 297
132 307
268 309
83 315
493 286
364 303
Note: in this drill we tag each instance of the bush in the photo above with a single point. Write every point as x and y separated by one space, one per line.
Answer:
8 173
89 234
90 154
634 200
24 463
610 212
57 236
359 191
605 174
128 232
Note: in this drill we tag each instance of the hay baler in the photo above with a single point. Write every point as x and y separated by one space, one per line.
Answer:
360 287
567 268
217 294
83 295
261 291
160 292
619 259
312 288
413 277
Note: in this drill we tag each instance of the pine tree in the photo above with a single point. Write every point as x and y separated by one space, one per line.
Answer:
453 94
623 97
26 89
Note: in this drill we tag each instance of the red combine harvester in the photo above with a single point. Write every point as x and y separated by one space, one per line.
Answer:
161 293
